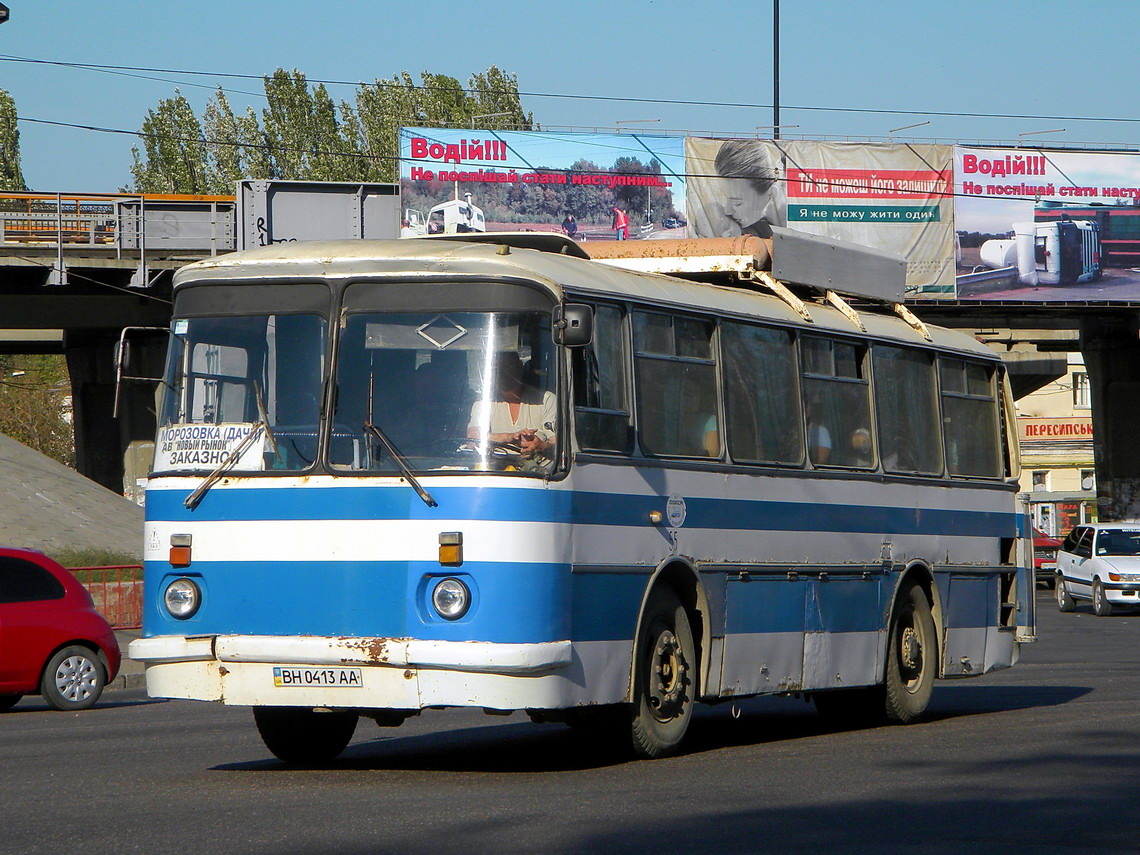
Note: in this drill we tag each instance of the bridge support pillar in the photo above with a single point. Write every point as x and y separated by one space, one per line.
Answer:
101 440
1112 356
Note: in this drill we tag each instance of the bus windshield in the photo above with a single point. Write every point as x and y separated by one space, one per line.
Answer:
230 377
447 391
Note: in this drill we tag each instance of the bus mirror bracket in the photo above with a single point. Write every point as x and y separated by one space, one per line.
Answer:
123 360
573 324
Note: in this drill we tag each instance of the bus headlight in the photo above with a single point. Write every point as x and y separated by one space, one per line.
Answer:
182 598
451 599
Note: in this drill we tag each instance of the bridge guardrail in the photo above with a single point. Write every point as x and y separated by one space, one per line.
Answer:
118 221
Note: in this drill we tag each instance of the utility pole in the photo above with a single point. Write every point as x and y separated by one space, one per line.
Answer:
776 68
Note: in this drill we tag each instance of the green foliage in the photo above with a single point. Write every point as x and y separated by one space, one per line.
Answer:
34 404
302 135
11 177
96 557
174 156
235 146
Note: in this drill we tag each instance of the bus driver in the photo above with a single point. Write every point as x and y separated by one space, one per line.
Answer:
518 414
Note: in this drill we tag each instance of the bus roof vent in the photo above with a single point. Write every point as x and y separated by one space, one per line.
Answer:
542 241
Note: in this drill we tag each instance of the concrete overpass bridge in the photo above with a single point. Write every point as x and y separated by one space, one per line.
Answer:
74 270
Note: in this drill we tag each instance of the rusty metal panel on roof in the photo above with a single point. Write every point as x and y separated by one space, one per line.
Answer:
826 263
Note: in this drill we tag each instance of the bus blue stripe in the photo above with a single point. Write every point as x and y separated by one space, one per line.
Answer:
513 603
564 506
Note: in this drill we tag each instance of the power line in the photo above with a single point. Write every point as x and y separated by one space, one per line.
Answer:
360 155
577 97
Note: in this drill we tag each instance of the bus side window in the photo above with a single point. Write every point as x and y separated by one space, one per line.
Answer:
678 407
906 403
969 418
837 403
601 400
760 395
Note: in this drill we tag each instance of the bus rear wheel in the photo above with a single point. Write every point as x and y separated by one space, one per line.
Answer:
912 657
304 736
664 677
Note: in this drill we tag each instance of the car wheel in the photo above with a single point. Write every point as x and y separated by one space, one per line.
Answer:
1101 606
664 677
912 657
9 701
73 679
1065 602
304 736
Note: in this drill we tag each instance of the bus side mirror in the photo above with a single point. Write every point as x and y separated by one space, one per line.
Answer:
573 324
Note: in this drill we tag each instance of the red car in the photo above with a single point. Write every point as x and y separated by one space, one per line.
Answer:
52 641
1045 557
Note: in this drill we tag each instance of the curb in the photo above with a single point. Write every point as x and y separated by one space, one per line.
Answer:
126 681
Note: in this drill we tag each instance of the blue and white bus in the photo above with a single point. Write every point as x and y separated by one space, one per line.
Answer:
712 493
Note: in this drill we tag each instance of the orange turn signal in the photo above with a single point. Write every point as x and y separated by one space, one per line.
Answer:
180 550
451 548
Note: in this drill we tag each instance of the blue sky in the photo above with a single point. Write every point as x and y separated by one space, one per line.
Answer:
1028 57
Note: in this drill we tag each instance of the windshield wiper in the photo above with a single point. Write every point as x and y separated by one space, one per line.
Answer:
411 479
263 413
233 457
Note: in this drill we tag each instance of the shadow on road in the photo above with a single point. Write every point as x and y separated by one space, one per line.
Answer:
522 747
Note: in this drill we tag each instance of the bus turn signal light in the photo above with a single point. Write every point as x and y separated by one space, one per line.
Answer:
179 550
451 548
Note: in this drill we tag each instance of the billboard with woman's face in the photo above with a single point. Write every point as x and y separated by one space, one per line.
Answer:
892 197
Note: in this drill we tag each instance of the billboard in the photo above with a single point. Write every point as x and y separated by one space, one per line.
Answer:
591 186
892 197
971 223
1047 226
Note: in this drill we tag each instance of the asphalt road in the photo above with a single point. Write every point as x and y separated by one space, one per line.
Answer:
1043 758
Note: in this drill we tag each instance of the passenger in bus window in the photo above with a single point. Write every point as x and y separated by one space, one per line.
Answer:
861 453
518 414
710 437
819 437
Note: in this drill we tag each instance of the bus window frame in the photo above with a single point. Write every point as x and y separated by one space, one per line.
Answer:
866 380
994 369
630 414
712 360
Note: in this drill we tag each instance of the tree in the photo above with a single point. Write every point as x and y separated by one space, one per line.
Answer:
11 176
301 134
235 145
34 404
175 150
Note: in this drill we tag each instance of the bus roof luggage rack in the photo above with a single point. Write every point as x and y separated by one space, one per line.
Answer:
788 261
795 258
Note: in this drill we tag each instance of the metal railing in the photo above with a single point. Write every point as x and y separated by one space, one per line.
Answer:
118 221
116 591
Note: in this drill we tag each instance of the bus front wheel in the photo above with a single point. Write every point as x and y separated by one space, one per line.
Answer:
664 677
912 657
299 735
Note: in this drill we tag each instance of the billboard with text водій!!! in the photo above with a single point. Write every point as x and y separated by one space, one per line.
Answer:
891 197
589 186
1047 225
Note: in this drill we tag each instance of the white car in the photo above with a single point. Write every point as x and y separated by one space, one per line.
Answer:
1100 562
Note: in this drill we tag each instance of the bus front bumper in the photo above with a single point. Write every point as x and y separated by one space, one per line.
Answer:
380 673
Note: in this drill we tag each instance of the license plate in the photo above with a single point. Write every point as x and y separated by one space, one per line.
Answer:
340 678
